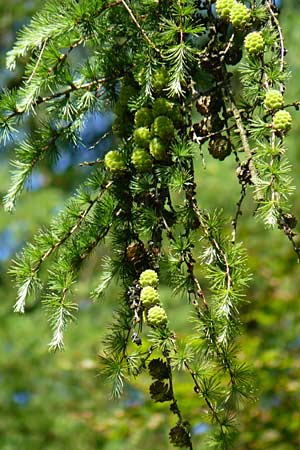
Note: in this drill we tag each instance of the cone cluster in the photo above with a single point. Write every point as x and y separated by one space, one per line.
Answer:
155 128
281 119
155 315
234 12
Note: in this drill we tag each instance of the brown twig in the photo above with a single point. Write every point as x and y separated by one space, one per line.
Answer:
227 48
238 213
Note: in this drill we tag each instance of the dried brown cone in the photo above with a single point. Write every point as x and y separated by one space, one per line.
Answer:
208 104
158 369
219 148
135 251
160 392
180 437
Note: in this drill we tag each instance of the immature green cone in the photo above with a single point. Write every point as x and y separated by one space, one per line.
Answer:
148 278
223 8
142 136
157 316
149 297
163 127
141 160
139 76
158 149
219 148
273 99
143 117
114 161
161 107
176 116
282 121
121 106
254 43
160 80
239 16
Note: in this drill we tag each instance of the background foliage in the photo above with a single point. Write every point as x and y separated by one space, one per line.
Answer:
56 401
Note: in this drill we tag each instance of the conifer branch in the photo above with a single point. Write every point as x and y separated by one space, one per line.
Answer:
72 88
72 230
29 154
34 258
200 389
91 163
149 180
181 33
211 238
101 138
48 98
189 262
139 27
62 22
62 58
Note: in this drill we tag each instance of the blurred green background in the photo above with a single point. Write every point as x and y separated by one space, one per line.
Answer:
58 401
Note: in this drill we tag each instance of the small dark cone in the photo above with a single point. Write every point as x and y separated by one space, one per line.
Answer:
158 369
159 392
135 251
203 104
207 104
219 148
180 437
287 221
290 220
234 56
